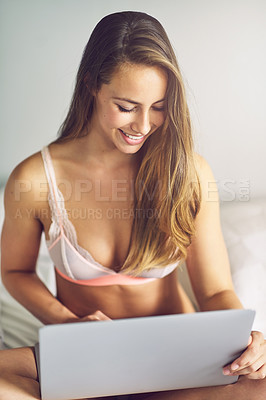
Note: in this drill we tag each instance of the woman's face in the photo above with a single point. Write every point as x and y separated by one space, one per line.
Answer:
131 107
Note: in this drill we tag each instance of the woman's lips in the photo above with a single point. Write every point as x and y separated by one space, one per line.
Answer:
132 139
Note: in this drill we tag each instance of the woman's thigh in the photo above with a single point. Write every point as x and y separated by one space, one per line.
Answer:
20 361
244 389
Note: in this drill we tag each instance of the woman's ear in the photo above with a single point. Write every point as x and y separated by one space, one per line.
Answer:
86 81
89 86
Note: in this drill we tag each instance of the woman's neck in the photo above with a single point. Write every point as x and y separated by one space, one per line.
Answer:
104 155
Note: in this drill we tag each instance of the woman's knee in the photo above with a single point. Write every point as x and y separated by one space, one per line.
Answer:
14 387
19 362
249 389
18 375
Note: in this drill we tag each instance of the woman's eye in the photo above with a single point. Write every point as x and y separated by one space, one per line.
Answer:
159 108
122 109
126 110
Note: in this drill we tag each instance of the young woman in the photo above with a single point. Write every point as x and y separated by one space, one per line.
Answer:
122 199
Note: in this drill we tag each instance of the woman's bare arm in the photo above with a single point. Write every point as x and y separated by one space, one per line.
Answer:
210 275
207 261
20 242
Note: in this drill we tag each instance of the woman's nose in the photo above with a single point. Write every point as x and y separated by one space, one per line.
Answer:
142 123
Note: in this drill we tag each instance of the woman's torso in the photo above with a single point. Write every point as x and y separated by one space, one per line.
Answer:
99 206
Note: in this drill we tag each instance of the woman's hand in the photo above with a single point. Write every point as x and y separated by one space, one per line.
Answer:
96 316
252 362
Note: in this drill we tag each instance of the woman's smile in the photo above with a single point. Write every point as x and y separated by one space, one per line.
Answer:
132 139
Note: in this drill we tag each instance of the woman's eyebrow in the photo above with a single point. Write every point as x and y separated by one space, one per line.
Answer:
132 101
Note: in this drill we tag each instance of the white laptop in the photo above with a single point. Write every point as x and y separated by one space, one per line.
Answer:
94 359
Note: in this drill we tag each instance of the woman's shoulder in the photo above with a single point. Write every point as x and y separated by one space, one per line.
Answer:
202 165
206 178
26 179
30 168
203 168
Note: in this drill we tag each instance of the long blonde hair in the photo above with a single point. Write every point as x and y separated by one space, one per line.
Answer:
167 192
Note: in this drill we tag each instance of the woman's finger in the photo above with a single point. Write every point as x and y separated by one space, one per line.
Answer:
101 316
97 316
252 368
251 354
251 360
259 374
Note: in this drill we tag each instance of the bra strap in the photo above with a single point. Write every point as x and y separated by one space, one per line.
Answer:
50 175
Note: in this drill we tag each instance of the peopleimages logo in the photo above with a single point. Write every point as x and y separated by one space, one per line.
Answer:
82 213
117 189
123 190
233 190
100 190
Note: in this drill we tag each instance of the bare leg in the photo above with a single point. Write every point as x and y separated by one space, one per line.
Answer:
244 389
18 375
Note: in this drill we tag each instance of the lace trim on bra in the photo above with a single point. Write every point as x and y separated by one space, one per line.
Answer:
68 230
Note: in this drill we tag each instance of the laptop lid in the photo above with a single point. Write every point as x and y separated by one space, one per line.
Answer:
93 359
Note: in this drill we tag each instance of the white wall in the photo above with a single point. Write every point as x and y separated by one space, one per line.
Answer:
220 46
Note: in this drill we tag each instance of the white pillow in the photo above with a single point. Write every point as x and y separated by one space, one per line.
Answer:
1 223
244 228
19 326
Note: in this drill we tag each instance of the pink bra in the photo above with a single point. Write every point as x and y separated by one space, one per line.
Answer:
71 261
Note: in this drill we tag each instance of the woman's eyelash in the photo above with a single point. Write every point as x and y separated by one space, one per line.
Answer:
122 109
159 108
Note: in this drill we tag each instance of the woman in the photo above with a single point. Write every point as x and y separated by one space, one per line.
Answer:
126 200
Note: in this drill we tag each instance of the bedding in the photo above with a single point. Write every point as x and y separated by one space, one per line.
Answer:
244 228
